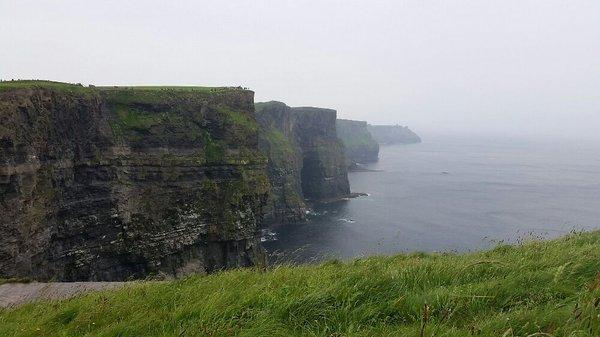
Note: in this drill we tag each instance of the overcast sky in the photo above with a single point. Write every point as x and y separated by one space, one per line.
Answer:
515 67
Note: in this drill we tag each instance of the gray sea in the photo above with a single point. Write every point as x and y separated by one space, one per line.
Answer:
453 194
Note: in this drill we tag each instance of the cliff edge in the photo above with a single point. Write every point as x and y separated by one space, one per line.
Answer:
359 145
306 158
113 183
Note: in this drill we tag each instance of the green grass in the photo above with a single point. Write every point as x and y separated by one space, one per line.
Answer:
536 289
137 120
237 118
213 152
37 84
169 88
278 147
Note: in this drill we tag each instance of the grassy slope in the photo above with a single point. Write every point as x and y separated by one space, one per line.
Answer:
551 288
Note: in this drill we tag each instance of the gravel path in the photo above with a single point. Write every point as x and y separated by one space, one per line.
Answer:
14 294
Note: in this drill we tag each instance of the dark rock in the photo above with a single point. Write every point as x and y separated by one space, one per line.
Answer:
114 183
286 202
306 159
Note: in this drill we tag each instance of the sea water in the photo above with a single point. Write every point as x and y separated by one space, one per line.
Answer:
453 194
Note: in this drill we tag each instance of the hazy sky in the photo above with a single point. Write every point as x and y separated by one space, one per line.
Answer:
520 67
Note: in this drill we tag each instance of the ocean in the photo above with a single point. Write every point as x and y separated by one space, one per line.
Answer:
453 194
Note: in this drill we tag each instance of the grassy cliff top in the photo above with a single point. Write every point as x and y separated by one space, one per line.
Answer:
534 289
34 84
259 106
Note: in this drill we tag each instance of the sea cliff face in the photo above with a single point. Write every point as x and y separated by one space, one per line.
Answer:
393 134
118 183
306 159
276 139
324 173
359 145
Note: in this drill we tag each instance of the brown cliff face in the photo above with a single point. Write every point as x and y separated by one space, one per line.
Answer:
306 159
119 183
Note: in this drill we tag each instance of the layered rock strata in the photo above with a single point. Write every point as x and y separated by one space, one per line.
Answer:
306 158
116 183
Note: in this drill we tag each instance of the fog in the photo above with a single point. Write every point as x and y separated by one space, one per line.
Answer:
504 67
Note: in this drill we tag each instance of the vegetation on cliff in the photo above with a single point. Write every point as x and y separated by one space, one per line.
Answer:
285 204
324 173
184 115
44 84
393 134
114 183
50 85
306 158
359 145
535 289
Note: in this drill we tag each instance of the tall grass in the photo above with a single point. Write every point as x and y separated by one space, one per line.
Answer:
535 289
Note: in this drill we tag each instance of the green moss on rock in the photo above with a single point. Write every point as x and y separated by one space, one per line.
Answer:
130 182
306 158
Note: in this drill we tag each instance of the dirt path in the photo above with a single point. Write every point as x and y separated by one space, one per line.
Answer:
14 294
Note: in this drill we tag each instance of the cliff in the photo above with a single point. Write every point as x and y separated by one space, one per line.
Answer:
276 139
359 145
118 183
324 174
306 159
393 134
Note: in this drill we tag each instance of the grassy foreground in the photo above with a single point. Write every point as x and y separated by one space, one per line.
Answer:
536 289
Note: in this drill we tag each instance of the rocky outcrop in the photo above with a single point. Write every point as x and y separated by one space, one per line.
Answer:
393 134
359 145
119 183
306 159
